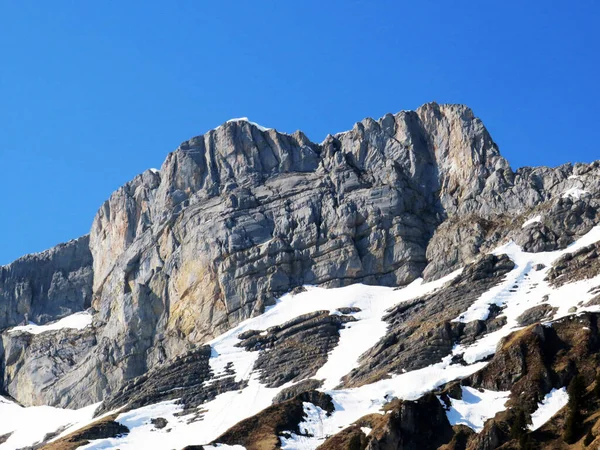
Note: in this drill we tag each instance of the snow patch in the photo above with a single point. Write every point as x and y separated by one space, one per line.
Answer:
245 119
531 221
77 321
523 288
476 407
550 405
358 337
575 193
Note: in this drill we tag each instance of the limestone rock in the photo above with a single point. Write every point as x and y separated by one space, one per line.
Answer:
46 286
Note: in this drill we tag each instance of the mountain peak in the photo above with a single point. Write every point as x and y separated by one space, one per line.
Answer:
246 120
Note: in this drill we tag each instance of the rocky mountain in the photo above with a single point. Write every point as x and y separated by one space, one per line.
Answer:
264 291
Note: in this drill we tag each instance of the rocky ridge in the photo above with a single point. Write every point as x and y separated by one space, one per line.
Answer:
47 286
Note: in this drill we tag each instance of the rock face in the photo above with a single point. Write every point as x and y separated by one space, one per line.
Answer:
27 358
48 285
241 215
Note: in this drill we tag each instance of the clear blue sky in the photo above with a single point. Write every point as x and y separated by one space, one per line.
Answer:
93 93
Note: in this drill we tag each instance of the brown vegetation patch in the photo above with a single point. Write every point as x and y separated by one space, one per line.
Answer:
262 431
101 429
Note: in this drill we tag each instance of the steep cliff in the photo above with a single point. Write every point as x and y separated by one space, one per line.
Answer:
48 285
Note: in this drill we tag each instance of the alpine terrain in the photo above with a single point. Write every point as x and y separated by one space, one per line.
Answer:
396 286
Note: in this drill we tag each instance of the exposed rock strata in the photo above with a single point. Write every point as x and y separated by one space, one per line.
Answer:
571 267
187 378
421 331
297 349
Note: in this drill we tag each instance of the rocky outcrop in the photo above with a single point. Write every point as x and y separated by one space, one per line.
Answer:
106 427
46 286
262 431
462 238
421 331
536 314
404 425
580 265
533 361
188 378
297 389
350 438
33 362
296 349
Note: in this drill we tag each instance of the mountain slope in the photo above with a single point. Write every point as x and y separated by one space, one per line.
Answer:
197 311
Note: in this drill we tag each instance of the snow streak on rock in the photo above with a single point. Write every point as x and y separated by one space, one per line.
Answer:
555 400
475 407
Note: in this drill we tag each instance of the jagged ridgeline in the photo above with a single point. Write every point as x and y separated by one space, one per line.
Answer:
262 291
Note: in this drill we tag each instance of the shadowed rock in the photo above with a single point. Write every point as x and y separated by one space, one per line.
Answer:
296 349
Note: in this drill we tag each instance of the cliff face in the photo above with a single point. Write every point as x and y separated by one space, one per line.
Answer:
48 285
241 215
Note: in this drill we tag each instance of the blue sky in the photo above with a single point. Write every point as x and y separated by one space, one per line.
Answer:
93 93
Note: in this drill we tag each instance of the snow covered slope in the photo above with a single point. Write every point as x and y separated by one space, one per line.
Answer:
523 288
